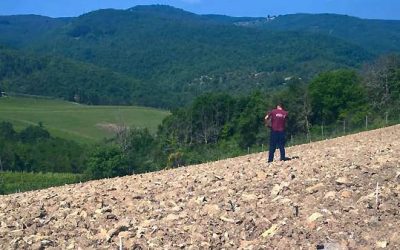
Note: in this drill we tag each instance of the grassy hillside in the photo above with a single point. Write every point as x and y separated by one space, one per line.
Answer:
74 121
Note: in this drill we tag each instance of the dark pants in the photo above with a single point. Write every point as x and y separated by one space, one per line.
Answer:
277 139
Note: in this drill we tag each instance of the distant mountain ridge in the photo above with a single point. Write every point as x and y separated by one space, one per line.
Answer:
178 55
379 36
19 30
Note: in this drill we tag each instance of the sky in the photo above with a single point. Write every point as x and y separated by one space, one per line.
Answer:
372 9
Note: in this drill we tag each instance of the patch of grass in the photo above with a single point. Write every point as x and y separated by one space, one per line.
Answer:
74 121
12 182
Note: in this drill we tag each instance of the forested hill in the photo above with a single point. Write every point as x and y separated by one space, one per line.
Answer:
379 36
178 55
21 30
159 43
64 78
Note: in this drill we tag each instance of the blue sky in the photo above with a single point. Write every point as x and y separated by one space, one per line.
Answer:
375 9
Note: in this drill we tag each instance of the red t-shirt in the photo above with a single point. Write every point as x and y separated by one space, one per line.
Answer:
278 119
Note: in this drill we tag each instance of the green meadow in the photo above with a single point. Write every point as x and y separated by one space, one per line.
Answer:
82 123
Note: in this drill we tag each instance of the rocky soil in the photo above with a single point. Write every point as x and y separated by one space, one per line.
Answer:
339 194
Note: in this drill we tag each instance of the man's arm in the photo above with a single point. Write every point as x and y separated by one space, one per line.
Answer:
268 116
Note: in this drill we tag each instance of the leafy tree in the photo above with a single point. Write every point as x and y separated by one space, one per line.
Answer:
7 131
296 100
209 113
250 121
140 151
106 161
337 95
33 133
382 82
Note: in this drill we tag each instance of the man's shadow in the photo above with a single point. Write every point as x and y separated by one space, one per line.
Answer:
291 158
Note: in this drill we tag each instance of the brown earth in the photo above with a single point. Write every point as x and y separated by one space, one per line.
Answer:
111 127
340 194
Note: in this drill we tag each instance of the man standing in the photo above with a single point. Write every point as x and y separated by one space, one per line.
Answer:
277 120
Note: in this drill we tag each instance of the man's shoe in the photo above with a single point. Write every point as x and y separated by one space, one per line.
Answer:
286 159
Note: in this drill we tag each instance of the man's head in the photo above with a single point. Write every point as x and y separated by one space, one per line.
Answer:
279 105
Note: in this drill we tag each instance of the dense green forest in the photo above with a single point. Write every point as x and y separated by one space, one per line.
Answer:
21 30
171 56
64 78
378 36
